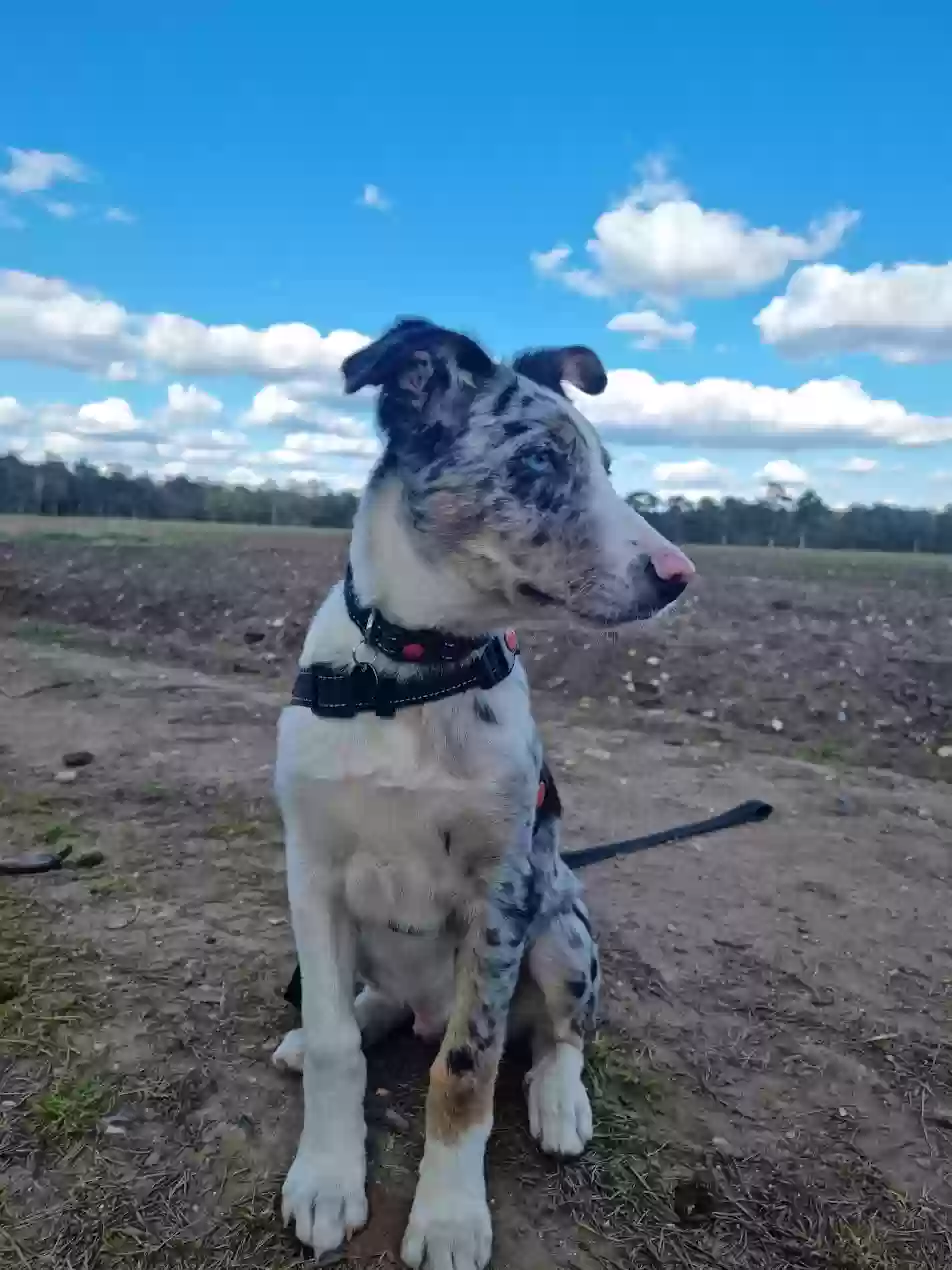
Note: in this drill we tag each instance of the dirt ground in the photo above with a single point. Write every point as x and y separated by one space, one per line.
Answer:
773 1079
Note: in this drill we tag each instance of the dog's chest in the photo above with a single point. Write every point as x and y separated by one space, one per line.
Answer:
414 811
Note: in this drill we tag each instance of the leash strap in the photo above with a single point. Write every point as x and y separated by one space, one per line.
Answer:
749 813
340 694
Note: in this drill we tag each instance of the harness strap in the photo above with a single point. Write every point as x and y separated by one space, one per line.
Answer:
333 693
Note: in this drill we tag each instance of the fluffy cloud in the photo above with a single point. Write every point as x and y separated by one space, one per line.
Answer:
657 241
12 414
298 447
44 320
191 404
782 472
278 404
901 314
373 196
119 216
291 348
651 328
33 170
701 473
637 408
859 466
187 434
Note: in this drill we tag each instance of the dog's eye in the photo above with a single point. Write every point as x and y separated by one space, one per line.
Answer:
539 463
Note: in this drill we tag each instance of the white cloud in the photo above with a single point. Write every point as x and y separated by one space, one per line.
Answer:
299 446
121 372
44 320
659 242
859 466
782 472
277 404
191 403
637 408
651 328
33 170
901 314
119 216
285 349
698 472
62 211
12 414
373 196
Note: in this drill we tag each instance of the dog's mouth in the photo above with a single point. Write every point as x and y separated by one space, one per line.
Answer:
538 597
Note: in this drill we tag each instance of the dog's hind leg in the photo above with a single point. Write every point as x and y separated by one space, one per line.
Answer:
563 976
377 1016
324 1195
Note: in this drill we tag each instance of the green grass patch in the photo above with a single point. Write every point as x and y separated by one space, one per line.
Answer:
72 1108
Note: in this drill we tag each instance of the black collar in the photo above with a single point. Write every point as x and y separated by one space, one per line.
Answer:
444 666
400 643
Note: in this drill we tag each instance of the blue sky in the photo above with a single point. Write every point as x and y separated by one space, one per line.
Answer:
764 192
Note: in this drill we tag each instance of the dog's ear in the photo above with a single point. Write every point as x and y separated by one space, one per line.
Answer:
576 365
405 355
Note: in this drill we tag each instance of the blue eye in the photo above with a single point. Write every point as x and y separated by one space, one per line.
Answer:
539 463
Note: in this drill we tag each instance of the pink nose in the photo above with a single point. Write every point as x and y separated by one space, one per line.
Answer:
672 565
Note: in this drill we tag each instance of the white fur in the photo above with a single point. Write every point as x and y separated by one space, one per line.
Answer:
560 1114
450 1227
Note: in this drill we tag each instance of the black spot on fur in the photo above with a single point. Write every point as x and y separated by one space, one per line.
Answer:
484 711
551 803
577 987
540 537
446 841
493 938
460 1061
582 917
504 399
514 428
593 969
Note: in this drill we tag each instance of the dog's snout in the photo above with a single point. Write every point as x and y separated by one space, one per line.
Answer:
669 573
672 565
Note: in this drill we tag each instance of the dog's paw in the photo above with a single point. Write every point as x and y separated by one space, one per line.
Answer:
324 1200
448 1230
289 1056
560 1114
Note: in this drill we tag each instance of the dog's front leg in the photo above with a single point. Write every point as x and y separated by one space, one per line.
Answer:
325 1190
450 1226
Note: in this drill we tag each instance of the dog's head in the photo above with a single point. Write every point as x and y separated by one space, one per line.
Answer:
506 480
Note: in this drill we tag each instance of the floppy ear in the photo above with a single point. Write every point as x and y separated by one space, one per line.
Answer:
402 356
576 365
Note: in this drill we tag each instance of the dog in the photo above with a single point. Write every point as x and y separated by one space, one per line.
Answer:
421 823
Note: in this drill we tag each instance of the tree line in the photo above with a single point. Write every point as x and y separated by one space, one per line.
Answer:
54 488
778 519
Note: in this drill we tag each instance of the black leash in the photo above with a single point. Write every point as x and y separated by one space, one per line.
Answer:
749 813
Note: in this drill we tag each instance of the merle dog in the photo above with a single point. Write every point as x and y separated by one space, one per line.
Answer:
421 824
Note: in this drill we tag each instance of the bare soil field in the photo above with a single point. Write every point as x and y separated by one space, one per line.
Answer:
773 1079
